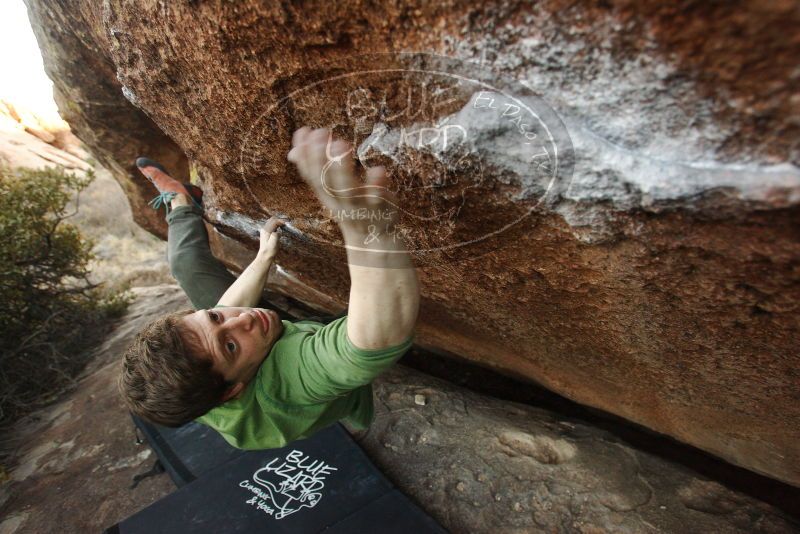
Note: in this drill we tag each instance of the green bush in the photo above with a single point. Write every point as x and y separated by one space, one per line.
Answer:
50 313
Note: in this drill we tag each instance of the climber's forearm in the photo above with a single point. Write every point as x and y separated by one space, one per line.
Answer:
384 292
246 290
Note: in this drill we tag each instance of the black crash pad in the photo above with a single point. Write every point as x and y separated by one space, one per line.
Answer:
189 451
323 483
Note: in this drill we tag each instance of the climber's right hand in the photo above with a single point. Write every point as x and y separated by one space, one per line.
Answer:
327 165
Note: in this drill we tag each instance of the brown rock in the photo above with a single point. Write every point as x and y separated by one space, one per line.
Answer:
659 281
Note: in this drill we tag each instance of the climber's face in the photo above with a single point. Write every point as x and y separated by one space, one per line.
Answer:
237 340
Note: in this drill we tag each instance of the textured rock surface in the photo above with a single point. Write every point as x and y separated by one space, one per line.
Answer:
476 463
660 284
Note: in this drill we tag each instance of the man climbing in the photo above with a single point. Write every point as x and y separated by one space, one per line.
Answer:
259 381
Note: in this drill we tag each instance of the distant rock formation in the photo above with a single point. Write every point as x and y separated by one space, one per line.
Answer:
628 238
29 140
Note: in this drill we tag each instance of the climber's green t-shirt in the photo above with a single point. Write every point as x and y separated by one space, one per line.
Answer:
312 377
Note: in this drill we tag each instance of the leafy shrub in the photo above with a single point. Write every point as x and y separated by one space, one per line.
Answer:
50 313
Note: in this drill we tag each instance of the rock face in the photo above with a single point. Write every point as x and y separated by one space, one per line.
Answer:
475 463
639 253
478 464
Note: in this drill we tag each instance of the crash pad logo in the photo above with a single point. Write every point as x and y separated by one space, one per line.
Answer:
287 485
470 155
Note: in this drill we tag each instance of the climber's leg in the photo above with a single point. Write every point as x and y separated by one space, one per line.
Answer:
202 276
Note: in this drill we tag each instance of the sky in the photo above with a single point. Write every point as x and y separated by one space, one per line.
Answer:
22 78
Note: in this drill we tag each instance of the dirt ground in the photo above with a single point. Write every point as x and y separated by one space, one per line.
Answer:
75 461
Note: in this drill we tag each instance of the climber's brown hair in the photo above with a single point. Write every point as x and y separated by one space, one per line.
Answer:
166 379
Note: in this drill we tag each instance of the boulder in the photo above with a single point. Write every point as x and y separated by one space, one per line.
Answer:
614 215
